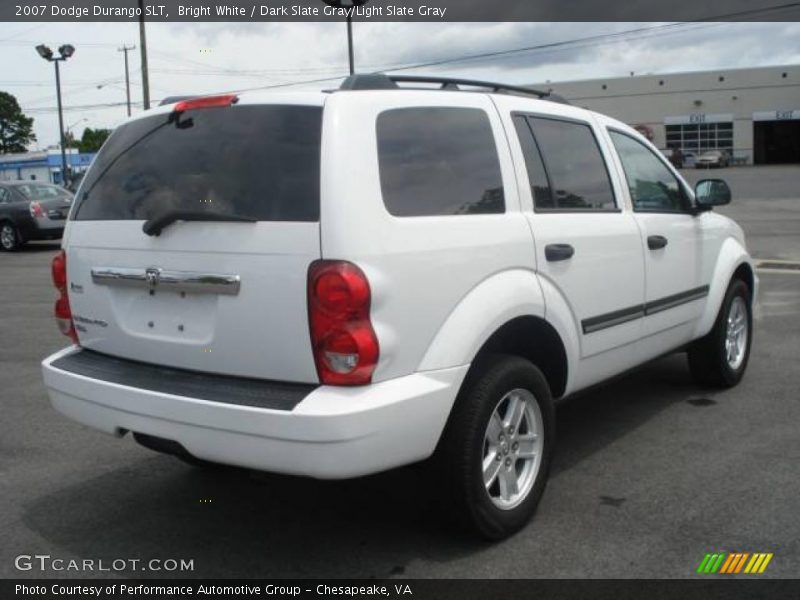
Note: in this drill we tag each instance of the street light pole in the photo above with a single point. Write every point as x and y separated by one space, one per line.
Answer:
61 125
65 51
350 7
350 42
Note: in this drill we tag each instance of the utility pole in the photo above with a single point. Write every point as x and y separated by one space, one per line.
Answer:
143 50
125 49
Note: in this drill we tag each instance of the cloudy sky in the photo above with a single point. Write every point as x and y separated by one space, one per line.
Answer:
207 57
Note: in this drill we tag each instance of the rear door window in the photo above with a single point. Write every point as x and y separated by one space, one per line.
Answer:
260 162
438 161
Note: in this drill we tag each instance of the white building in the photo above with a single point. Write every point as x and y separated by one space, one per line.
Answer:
752 113
42 165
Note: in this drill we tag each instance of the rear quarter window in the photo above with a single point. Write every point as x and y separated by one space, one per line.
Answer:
257 161
438 161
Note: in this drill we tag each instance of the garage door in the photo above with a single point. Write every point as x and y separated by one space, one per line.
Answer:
776 137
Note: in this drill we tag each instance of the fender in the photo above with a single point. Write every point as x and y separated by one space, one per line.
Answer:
488 306
732 254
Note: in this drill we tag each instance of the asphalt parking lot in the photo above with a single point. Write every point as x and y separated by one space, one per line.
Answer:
651 472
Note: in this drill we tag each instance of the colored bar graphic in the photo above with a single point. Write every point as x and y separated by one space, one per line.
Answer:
734 562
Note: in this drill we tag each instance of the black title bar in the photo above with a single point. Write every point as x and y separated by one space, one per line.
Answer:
398 10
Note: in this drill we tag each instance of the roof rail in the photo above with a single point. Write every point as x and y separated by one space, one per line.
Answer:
382 81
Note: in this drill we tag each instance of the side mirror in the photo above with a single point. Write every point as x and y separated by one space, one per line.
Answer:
711 192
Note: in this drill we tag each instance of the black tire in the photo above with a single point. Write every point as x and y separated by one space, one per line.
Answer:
10 239
708 361
458 462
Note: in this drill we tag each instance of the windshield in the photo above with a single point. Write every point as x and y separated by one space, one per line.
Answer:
260 162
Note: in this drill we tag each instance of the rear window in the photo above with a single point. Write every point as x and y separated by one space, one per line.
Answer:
41 191
260 162
438 161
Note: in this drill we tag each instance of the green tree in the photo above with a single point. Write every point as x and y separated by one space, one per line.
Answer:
92 139
16 130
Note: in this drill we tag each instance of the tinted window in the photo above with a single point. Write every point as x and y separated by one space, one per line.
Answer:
438 161
255 161
537 176
4 196
652 185
578 175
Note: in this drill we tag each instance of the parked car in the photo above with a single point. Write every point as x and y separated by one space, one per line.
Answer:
712 158
336 284
31 211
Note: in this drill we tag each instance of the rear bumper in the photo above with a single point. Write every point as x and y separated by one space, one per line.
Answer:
332 433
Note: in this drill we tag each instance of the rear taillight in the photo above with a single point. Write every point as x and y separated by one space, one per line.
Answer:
36 210
58 269
344 342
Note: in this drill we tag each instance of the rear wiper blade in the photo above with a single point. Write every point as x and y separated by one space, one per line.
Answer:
156 224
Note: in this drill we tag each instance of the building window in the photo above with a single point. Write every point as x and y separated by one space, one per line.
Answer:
700 137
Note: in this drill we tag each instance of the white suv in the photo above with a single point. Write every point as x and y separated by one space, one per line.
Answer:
332 284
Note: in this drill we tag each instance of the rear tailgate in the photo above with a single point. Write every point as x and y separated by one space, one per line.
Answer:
220 297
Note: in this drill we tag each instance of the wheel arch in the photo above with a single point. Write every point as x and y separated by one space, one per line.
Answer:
733 262
505 313
536 340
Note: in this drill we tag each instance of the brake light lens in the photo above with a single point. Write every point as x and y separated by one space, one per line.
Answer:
36 210
206 102
63 313
342 337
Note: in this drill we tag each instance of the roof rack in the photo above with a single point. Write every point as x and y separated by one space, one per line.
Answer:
382 81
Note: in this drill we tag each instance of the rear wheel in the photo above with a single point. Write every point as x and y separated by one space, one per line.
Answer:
495 454
720 358
10 239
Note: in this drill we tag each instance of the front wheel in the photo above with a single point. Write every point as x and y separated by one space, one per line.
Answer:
720 358
495 454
